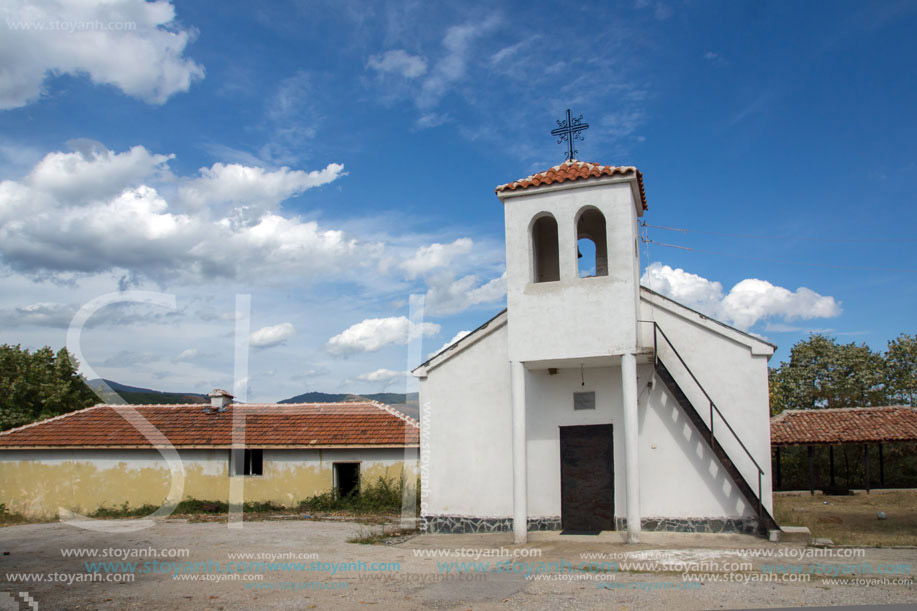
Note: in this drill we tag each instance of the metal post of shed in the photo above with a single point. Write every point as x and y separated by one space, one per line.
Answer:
810 450
779 475
881 467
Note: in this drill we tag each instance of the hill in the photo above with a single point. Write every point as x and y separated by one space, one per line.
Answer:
134 395
405 403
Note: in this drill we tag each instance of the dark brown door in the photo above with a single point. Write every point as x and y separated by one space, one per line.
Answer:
587 477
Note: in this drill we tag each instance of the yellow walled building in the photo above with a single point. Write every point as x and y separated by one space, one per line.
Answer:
112 455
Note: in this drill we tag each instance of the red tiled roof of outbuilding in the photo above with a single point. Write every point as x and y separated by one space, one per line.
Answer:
844 425
351 424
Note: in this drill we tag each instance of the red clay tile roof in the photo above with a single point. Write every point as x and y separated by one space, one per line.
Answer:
361 424
844 425
574 170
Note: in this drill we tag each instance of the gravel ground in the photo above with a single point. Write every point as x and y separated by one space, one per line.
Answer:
417 582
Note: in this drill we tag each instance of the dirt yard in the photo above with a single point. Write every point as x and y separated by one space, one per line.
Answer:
671 571
852 520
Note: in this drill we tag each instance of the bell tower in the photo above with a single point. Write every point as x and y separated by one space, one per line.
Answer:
557 315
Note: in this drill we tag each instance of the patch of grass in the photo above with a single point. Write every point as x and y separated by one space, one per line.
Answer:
195 506
8 518
380 496
124 511
852 520
368 536
187 507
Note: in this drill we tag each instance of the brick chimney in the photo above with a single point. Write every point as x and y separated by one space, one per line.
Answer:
219 400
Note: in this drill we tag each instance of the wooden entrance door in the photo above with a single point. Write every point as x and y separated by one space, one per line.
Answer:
587 477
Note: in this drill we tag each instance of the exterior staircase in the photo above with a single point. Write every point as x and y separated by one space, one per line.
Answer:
766 521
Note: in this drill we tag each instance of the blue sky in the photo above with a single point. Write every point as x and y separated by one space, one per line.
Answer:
333 158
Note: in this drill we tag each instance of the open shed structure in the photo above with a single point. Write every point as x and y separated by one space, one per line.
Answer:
838 427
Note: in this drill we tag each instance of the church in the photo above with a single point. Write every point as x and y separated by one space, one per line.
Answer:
592 403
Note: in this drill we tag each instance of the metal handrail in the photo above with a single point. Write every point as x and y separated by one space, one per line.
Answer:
713 407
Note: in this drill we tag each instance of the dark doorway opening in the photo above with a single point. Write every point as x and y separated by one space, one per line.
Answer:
346 478
587 478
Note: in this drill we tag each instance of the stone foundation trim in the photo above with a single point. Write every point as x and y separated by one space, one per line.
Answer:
467 524
741 526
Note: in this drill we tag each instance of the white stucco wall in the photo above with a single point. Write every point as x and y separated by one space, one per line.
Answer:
466 430
469 440
573 317
732 367
679 475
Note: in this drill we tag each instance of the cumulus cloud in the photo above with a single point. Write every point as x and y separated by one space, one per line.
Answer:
375 333
457 337
94 172
43 314
97 210
249 188
272 336
436 255
748 302
382 375
400 62
446 295
134 45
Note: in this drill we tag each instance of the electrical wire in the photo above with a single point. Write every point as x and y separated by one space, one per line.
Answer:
785 237
783 261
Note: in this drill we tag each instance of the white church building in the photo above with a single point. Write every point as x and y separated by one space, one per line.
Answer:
592 403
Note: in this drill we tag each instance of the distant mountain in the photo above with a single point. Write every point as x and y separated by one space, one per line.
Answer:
140 396
319 397
324 397
405 403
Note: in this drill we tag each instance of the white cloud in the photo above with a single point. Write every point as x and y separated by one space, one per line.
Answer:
99 210
95 172
453 65
251 188
429 120
661 11
457 337
436 255
187 354
382 375
45 314
134 45
271 336
752 300
688 289
622 123
375 333
748 302
446 295
399 61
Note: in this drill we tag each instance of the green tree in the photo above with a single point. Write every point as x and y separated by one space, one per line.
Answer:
40 384
901 369
823 373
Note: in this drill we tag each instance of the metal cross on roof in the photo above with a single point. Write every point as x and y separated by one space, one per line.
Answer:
568 131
